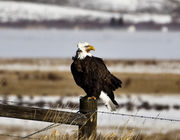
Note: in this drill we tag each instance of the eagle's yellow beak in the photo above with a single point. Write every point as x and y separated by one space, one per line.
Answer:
90 48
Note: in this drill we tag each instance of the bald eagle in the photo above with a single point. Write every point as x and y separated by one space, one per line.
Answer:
92 75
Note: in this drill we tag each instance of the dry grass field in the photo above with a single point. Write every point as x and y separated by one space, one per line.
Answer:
129 135
126 135
62 83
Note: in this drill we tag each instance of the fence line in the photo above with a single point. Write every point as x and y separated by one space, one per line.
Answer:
86 119
121 114
57 124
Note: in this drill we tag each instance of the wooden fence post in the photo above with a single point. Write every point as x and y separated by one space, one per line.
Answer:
88 107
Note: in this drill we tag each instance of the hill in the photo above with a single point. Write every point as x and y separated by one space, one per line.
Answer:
90 14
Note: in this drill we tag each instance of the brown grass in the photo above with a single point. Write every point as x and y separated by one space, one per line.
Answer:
55 135
60 135
62 83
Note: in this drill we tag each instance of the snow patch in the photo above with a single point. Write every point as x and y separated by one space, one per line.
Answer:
146 17
126 5
163 67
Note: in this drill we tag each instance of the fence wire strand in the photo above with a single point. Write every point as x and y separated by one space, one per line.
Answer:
39 131
14 136
140 116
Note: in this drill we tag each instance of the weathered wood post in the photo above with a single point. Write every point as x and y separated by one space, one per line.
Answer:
88 107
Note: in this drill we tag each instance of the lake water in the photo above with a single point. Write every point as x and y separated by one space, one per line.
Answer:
108 43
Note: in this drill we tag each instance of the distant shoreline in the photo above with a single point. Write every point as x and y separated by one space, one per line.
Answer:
143 26
67 60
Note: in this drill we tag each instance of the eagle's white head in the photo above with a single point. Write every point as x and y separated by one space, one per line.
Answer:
83 50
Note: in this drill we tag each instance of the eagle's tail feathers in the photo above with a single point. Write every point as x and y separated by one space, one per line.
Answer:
114 101
111 105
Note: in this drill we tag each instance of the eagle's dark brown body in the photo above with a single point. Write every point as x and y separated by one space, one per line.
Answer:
92 75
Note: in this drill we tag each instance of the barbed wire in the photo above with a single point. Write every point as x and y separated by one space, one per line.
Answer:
41 130
113 113
140 116
29 136
13 136
102 112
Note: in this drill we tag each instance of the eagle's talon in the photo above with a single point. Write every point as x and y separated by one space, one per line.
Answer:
94 98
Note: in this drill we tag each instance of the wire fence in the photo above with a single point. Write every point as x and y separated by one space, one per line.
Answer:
140 116
101 112
29 136
112 113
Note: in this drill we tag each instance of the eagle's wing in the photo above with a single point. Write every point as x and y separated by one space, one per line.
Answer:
102 77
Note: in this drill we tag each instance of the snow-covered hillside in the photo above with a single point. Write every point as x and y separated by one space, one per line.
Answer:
13 11
164 6
22 11
90 13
